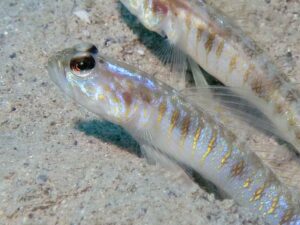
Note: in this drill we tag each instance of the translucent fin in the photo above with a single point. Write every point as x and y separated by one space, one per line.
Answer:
175 61
152 154
174 170
197 73
226 105
179 64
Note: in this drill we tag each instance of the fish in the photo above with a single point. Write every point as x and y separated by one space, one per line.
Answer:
168 124
222 49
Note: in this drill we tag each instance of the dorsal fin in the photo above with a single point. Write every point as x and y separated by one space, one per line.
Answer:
226 105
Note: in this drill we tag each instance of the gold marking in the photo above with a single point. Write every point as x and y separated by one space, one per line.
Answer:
127 111
200 30
287 217
188 21
248 72
101 97
232 64
136 107
199 33
220 49
274 205
107 88
247 183
196 138
174 120
162 110
209 42
145 117
130 84
291 118
238 168
258 193
116 99
226 156
185 129
210 146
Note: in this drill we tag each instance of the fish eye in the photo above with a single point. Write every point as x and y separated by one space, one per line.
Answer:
82 65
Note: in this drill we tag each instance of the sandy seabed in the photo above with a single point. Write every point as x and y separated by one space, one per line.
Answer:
60 164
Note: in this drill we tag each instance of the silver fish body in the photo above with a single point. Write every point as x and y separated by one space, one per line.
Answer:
159 117
226 52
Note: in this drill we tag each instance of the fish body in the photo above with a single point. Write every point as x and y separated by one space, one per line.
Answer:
227 53
160 118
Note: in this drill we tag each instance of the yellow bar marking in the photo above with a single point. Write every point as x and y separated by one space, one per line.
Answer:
226 156
220 49
185 129
196 138
136 107
210 146
274 205
258 193
232 64
101 97
174 119
145 116
161 111
107 88
209 42
247 183
291 118
115 98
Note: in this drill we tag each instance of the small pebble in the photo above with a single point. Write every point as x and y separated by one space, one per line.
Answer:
41 179
141 52
13 55
82 15
5 106
86 33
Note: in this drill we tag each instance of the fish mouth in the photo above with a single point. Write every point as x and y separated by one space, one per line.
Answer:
56 68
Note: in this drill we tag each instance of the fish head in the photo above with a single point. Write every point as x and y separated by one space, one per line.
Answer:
151 13
83 74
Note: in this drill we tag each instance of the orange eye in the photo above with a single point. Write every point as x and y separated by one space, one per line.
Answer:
81 65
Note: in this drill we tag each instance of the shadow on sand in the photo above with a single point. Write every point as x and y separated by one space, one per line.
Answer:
116 135
109 133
